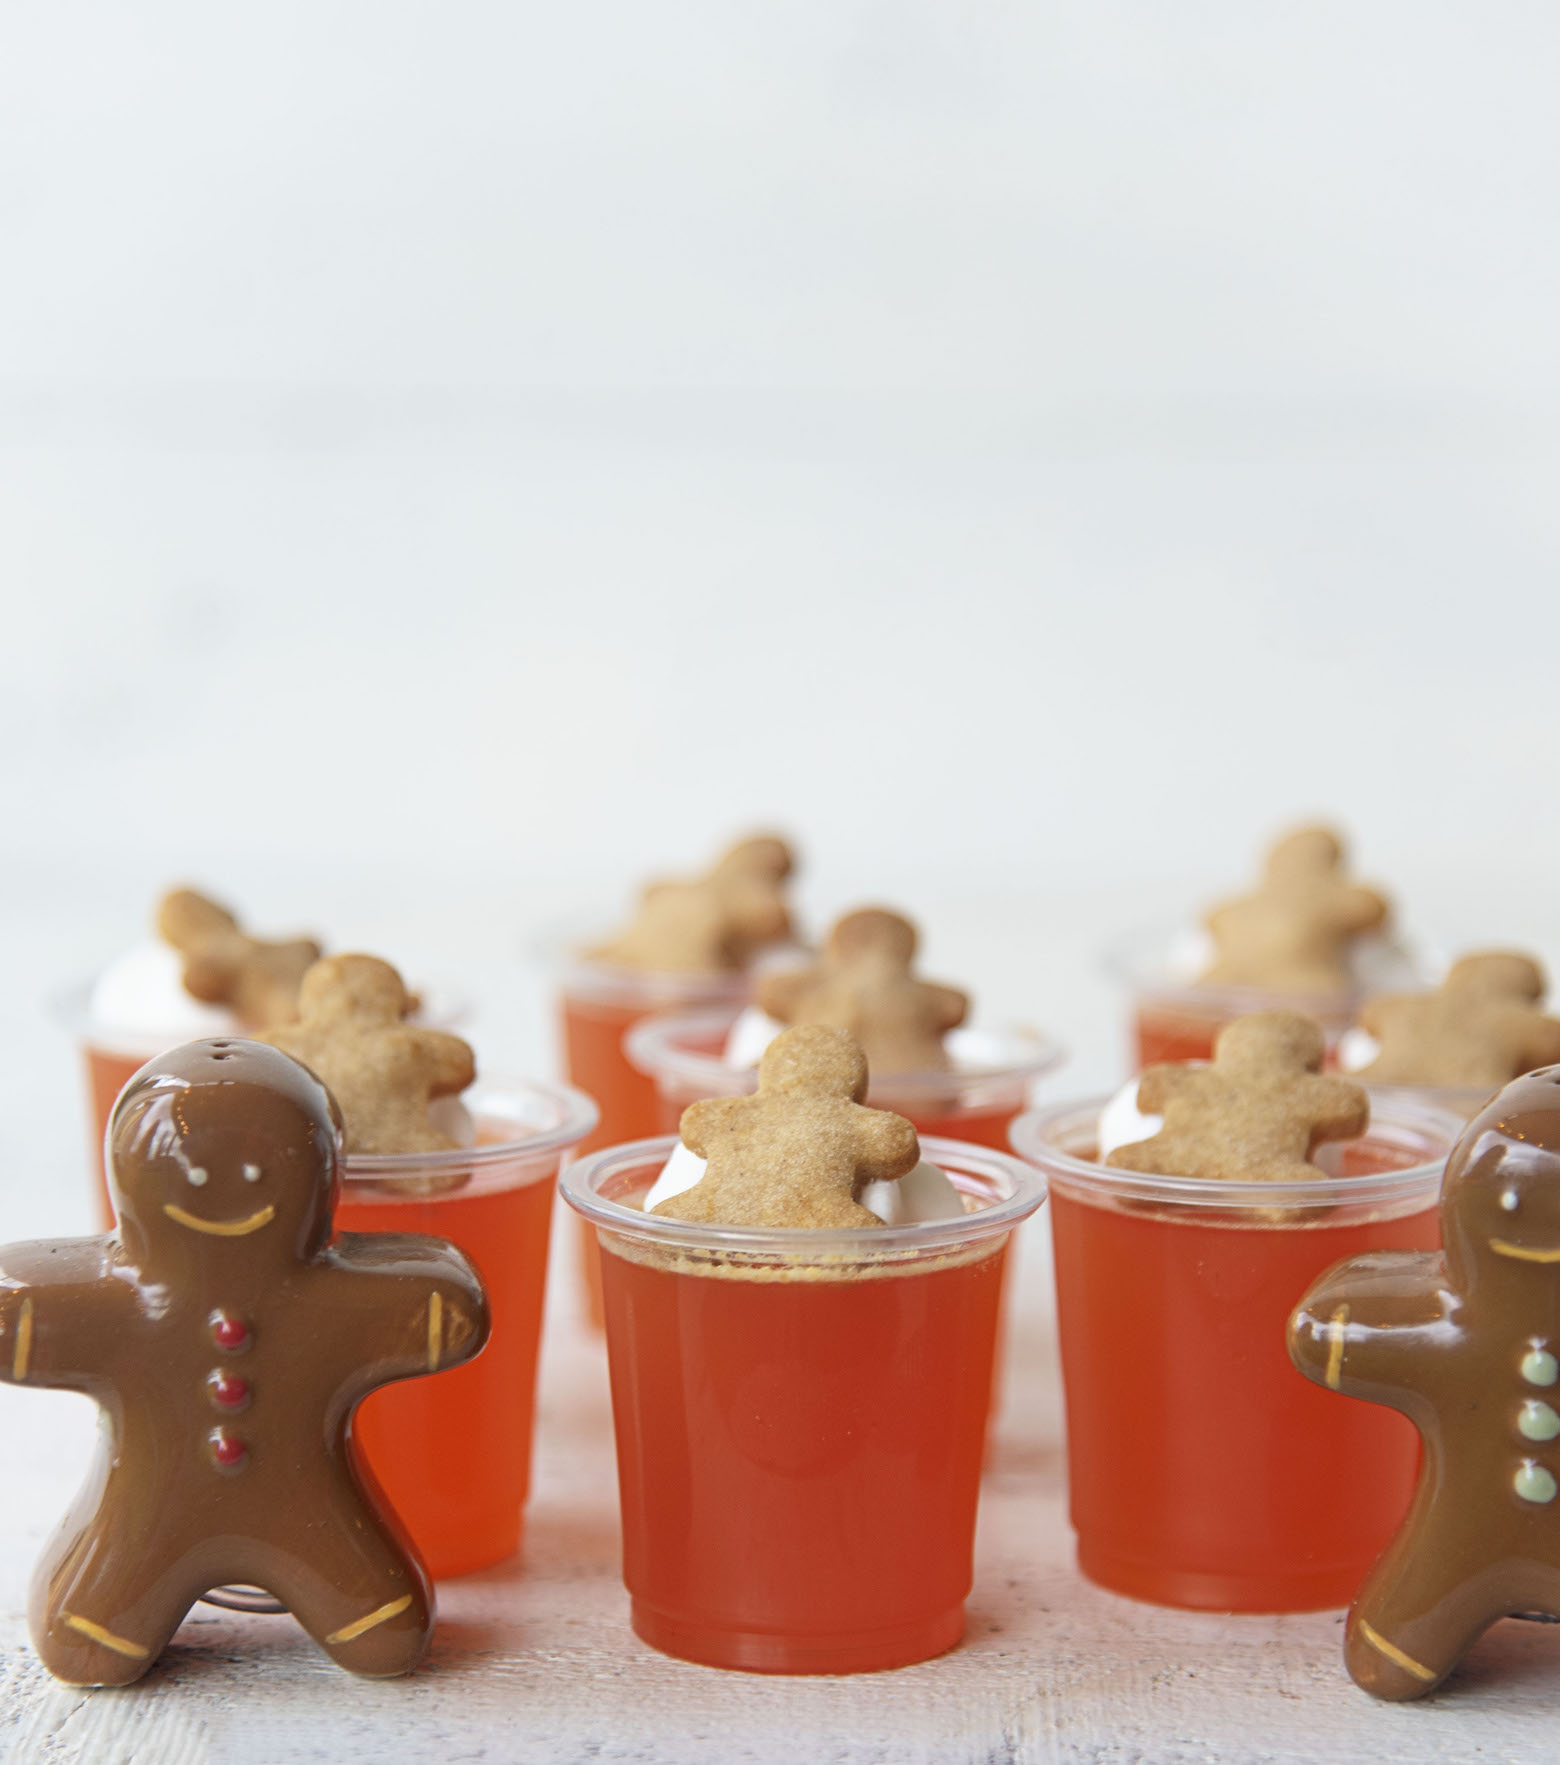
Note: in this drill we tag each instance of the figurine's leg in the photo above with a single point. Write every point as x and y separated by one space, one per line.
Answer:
97 1616
364 1599
1410 1625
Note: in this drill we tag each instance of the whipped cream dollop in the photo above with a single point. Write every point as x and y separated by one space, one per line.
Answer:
450 1116
925 1193
1357 1048
1122 1123
141 995
970 1050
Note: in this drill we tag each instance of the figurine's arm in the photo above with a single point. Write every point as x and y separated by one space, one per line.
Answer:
62 1313
427 1298
1366 1326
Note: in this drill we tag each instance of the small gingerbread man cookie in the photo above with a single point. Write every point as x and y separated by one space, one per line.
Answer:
1482 1027
863 984
228 1337
382 1071
1255 1115
1465 1341
1294 933
801 1150
223 965
710 924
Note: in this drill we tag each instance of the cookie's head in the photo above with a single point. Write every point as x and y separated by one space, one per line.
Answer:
816 1060
1307 852
763 856
1500 1200
352 989
1270 1042
1503 974
873 932
226 1144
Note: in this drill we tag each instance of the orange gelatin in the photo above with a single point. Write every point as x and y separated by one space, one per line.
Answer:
799 1459
452 1451
1161 1036
1204 1471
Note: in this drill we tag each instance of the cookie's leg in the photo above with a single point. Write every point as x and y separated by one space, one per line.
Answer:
97 1617
363 1598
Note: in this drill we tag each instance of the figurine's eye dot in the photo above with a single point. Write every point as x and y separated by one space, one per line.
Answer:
1508 1200
196 1175
252 1173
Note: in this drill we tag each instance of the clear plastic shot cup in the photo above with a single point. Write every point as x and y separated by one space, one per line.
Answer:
1204 1471
682 1053
800 1417
453 1451
599 1004
1176 1017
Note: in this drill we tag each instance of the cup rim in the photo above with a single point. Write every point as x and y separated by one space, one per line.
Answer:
650 1048
576 1112
1036 1137
1026 1191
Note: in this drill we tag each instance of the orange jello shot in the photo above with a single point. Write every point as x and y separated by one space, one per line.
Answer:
692 944
429 1151
1204 1472
800 1412
1307 939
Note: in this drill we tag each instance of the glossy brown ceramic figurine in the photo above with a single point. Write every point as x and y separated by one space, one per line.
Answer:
228 1340
1465 1343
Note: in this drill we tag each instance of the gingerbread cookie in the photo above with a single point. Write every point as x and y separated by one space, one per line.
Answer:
1482 1027
1255 1115
714 923
863 984
223 965
1294 933
382 1071
228 1340
801 1150
1464 1341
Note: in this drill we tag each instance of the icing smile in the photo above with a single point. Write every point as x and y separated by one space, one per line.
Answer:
237 1228
1523 1252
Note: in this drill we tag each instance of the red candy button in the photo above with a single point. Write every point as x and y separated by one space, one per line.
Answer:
228 1332
227 1391
228 1452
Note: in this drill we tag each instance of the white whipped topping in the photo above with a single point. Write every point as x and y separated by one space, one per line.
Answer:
141 996
926 1193
450 1116
1357 1048
970 1050
750 1035
1122 1123
1190 953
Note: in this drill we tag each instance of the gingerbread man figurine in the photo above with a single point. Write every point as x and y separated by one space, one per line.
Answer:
863 984
1465 1341
799 1151
228 1340
1293 933
1255 1115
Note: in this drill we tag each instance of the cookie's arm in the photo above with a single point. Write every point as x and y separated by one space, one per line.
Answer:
703 1123
451 1064
1341 1109
952 1007
1161 1083
426 1299
779 992
886 1145
1373 1326
62 1313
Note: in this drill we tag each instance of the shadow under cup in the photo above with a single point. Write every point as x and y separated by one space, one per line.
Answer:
1203 1470
800 1418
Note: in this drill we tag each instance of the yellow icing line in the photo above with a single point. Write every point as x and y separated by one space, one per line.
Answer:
350 1632
1335 1345
1378 1641
21 1359
121 1645
1522 1253
435 1331
221 1228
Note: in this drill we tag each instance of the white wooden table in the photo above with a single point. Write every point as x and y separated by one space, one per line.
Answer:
535 1662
